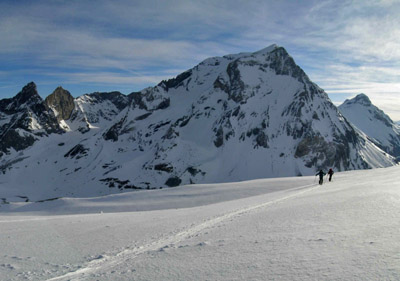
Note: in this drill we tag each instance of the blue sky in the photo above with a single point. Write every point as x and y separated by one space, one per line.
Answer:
346 47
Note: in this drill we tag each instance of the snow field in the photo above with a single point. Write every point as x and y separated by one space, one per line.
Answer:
343 230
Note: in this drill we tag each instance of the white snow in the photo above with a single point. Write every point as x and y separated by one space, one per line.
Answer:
268 229
372 121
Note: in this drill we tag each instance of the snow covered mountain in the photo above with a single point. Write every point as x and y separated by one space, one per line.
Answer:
24 119
373 122
231 118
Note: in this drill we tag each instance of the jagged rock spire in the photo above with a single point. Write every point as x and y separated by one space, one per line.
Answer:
62 102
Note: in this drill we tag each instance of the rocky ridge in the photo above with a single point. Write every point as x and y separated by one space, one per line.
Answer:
24 119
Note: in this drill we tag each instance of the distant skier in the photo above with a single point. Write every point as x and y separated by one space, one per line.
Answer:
330 173
321 175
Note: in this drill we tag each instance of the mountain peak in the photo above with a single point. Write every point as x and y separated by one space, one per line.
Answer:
28 96
61 102
61 91
59 88
363 98
27 93
30 85
268 49
359 99
373 122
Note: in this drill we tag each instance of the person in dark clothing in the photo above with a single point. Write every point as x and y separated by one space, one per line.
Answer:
321 175
330 173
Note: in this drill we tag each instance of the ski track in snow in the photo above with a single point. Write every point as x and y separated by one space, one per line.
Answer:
106 262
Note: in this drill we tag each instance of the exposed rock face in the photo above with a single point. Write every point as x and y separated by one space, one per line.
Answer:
24 118
12 139
28 96
62 103
78 151
119 100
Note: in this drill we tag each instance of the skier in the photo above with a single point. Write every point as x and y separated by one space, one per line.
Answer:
330 173
321 175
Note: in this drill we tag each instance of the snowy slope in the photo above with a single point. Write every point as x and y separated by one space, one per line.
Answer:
373 122
232 118
274 229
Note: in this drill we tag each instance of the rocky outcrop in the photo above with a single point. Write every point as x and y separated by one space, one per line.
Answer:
61 102
118 99
28 119
27 97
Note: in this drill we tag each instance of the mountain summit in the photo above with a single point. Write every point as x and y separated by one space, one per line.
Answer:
231 118
373 122
360 99
61 102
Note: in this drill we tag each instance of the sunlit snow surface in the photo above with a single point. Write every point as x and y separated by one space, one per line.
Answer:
274 229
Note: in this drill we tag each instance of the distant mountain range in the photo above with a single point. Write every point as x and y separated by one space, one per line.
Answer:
230 118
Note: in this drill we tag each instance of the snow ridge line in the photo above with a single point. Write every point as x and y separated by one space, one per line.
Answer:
105 262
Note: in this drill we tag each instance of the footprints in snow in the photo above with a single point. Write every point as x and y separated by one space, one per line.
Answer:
7 266
12 265
172 247
165 243
9 263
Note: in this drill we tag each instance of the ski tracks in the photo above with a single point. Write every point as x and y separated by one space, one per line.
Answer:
106 263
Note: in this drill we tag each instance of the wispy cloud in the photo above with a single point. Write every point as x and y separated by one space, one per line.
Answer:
346 46
108 78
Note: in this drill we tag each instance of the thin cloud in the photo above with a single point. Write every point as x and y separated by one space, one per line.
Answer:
109 78
344 46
